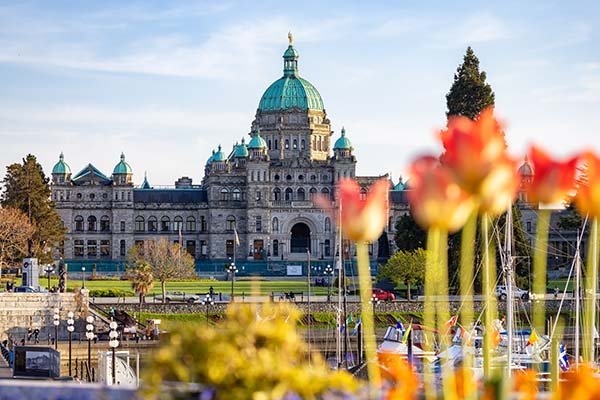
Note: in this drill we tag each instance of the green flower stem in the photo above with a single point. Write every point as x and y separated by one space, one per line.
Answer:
489 296
433 246
467 252
590 294
540 258
364 276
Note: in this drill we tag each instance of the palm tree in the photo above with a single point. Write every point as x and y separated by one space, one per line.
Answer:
141 278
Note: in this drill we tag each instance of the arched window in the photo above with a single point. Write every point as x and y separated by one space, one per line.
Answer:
325 193
327 225
165 224
224 194
327 248
230 225
251 176
79 223
236 195
312 192
277 194
275 225
288 178
190 224
363 193
203 223
177 223
295 144
140 224
91 223
301 195
275 248
289 194
152 224
105 223
302 144
276 144
313 178
287 144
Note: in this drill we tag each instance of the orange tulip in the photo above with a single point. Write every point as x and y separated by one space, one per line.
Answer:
552 180
588 193
580 384
525 384
475 152
436 199
363 220
400 375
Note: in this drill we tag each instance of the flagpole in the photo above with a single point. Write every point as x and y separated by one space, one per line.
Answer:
309 316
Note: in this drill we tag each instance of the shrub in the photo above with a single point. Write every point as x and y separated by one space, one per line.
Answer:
111 293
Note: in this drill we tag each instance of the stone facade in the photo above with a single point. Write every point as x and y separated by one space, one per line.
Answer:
261 193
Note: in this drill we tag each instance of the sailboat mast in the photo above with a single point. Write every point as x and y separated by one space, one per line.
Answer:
577 291
509 287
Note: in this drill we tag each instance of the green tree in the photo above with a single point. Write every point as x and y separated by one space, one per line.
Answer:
570 219
407 267
142 280
167 260
409 235
469 93
26 188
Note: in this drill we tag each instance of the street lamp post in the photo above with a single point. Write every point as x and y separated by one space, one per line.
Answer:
207 301
70 329
232 270
83 277
374 301
89 335
48 270
329 273
56 322
113 343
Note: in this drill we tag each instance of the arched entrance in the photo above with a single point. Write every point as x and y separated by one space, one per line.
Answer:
300 241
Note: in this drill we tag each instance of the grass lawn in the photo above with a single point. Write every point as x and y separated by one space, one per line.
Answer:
263 288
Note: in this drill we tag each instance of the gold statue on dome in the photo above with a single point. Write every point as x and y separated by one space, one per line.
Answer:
290 37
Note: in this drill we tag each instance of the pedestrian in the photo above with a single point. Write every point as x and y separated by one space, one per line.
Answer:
211 291
556 292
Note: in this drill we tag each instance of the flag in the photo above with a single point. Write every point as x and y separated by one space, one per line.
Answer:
406 333
451 322
457 335
355 330
399 326
236 237
496 337
533 337
563 359
349 320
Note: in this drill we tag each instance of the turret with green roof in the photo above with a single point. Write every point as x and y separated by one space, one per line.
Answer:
61 172
122 173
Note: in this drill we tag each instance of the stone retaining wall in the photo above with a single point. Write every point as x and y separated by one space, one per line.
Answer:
21 311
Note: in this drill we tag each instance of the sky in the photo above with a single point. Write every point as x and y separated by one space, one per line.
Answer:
166 82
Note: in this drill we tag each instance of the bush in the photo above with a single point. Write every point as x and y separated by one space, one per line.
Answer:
111 293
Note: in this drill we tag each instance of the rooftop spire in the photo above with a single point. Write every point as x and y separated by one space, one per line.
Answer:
290 59
122 156
61 157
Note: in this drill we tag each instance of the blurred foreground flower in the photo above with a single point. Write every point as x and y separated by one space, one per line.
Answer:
588 192
399 376
436 200
475 153
363 220
580 384
552 180
525 384
244 357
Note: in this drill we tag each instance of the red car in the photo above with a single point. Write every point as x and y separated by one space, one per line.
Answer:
383 295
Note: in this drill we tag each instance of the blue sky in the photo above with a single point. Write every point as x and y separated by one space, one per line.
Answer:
165 82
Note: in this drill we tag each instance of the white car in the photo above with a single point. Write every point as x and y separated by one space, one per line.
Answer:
501 292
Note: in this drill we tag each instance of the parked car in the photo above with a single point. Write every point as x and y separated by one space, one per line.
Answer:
501 292
383 295
179 296
27 289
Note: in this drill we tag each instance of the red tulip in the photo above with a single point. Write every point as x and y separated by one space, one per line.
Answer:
475 153
552 180
588 193
363 220
437 201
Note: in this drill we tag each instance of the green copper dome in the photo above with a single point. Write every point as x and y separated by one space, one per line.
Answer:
343 143
219 155
241 150
122 167
291 91
400 186
61 167
257 142
210 159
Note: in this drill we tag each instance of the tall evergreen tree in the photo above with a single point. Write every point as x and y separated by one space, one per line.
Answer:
26 188
469 94
409 236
